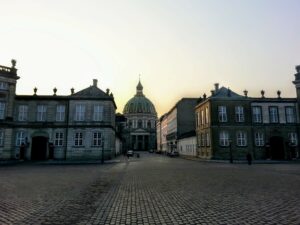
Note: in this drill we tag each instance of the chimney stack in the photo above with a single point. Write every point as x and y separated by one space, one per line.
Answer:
95 82
216 87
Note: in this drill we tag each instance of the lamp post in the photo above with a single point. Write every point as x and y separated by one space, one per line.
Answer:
230 151
102 152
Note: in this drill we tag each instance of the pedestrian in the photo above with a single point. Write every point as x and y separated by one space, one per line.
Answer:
249 158
22 151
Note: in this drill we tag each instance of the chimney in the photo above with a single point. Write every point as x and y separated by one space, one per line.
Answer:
216 87
95 82
72 91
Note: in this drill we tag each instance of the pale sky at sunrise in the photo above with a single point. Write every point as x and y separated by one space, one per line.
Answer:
180 48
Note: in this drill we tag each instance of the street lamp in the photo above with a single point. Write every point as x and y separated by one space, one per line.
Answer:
102 152
230 151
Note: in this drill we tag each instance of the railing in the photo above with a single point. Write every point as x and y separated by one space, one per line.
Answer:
7 69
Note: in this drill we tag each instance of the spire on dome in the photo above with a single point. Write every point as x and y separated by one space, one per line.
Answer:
139 88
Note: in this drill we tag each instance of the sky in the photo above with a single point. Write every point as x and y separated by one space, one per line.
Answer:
179 47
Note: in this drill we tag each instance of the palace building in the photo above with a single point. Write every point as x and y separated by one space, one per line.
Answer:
78 126
229 125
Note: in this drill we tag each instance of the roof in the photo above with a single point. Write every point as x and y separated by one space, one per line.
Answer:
91 92
225 93
188 134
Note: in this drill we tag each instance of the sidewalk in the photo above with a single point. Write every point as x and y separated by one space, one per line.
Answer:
296 161
59 162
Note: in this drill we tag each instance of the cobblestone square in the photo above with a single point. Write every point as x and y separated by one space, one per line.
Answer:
152 189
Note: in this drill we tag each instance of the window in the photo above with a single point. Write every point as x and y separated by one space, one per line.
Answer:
2 110
23 112
149 124
60 112
290 114
197 119
241 138
207 139
259 139
78 139
202 139
293 139
202 117
140 124
273 111
97 139
256 114
224 138
98 113
59 139
41 113
239 114
79 112
20 138
206 116
3 86
1 137
222 114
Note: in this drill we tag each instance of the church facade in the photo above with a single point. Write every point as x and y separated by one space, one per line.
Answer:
139 133
78 126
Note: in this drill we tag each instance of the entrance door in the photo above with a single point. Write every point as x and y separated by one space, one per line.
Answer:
277 147
39 148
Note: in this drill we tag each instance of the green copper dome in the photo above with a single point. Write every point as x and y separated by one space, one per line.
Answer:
139 103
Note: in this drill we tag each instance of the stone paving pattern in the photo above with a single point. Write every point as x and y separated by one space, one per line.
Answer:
152 189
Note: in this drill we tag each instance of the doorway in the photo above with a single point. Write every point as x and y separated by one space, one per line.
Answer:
277 148
39 148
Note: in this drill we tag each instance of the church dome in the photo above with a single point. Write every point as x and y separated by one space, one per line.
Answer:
139 103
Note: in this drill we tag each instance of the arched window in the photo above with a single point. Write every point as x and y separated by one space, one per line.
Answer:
140 124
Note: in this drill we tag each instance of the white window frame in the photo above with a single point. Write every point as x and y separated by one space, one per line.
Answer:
41 113
239 114
20 137
79 112
224 138
259 139
78 138
23 113
293 139
256 114
222 113
241 138
98 113
60 113
97 139
2 110
273 114
59 138
290 114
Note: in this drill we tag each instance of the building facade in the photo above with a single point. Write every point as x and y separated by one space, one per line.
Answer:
228 125
139 133
179 120
38 127
187 144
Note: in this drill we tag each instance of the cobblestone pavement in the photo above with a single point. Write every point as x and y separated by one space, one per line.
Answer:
152 189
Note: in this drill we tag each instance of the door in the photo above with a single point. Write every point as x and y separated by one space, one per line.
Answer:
277 148
39 148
